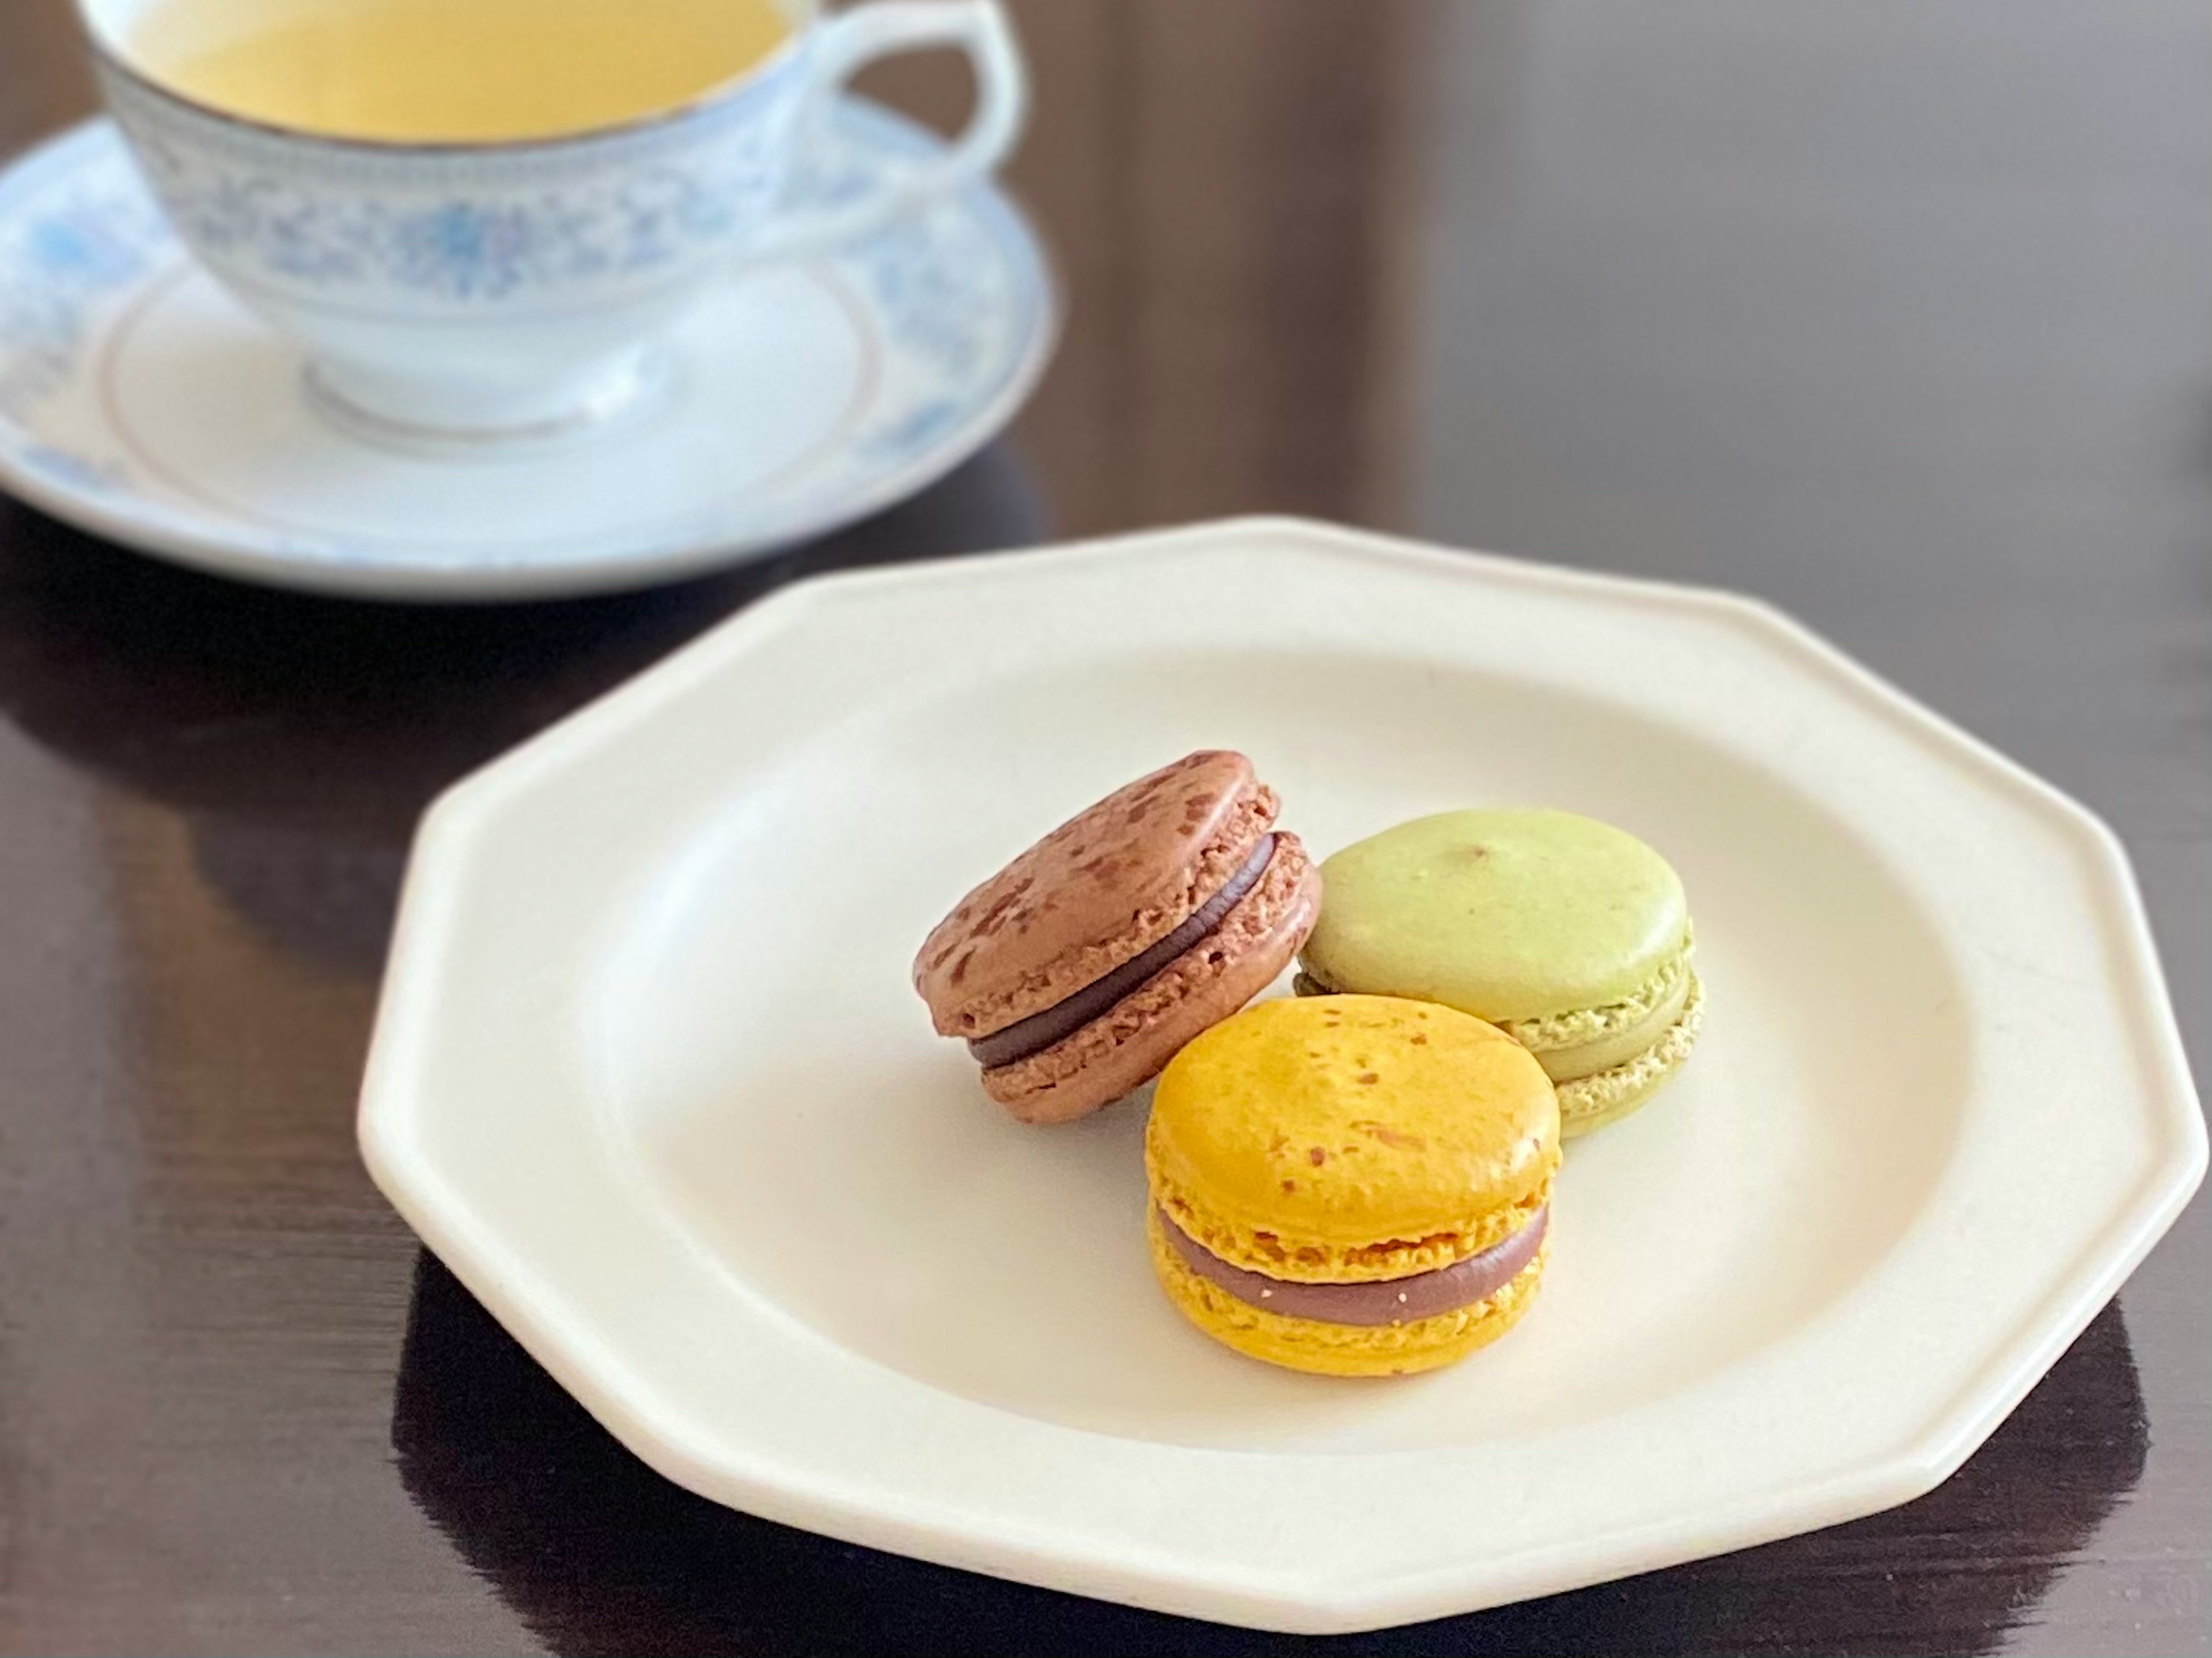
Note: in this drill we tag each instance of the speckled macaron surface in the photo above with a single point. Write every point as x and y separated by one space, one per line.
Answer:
1306 1151
1571 934
1076 971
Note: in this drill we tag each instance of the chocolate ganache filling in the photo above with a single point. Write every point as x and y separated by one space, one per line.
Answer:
1385 1301
1041 1030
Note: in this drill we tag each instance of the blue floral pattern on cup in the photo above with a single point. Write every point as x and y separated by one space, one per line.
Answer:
553 224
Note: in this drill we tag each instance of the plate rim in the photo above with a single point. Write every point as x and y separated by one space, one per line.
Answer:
153 534
1951 1434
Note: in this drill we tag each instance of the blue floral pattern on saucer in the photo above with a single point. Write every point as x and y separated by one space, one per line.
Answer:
952 309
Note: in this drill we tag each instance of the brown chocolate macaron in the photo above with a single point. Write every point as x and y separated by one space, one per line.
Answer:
1078 971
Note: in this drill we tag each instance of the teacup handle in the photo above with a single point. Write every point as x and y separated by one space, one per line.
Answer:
852 39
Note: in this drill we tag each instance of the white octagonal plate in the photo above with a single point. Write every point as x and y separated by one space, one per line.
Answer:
650 1078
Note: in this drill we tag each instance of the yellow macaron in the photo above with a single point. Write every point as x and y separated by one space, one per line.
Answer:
1353 1184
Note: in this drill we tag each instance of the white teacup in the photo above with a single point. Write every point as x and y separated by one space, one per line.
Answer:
470 293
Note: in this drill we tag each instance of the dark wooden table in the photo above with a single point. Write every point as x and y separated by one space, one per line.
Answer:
1896 312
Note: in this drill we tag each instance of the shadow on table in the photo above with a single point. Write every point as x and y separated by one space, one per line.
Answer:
301 736
599 1555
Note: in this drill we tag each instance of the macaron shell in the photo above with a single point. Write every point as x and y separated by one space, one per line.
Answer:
1608 1096
1346 1350
1112 881
1508 914
1350 1138
1127 1046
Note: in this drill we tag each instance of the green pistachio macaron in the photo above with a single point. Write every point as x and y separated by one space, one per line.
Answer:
1569 934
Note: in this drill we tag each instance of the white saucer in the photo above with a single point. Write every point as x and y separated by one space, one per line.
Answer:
140 402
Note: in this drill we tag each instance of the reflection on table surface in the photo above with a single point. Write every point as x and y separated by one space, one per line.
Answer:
598 1554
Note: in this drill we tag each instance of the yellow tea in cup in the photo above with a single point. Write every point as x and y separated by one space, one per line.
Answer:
474 71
